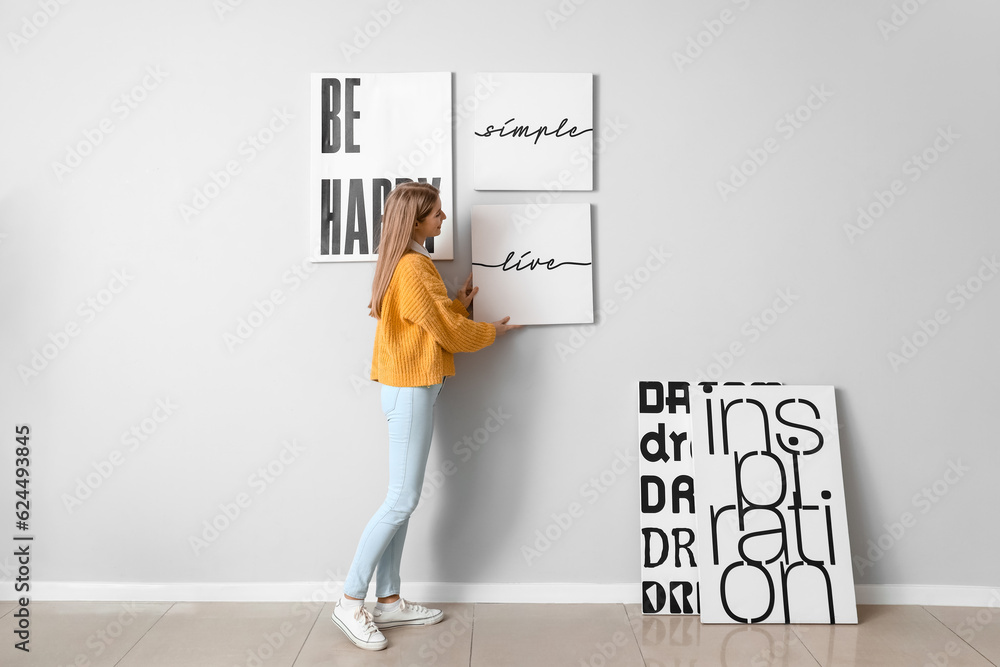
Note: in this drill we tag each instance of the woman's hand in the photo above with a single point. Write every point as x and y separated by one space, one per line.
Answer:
502 327
467 293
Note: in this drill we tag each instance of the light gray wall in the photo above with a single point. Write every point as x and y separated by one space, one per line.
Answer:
300 376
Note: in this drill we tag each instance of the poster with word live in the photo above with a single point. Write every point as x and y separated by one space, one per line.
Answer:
771 515
535 132
537 270
368 134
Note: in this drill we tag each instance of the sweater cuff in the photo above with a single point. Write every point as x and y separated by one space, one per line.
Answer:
492 334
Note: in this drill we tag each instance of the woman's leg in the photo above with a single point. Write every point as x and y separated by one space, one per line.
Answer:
410 415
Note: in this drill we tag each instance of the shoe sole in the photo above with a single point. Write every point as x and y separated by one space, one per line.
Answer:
417 621
368 646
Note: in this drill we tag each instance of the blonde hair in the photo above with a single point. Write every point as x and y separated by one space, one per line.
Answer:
404 206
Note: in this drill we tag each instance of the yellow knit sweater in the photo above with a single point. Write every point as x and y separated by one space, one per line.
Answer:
421 328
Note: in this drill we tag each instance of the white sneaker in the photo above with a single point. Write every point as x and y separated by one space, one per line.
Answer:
357 624
407 614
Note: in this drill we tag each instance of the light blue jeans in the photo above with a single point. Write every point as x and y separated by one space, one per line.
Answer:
410 413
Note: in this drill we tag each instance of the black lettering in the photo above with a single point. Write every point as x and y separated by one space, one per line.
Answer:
683 489
711 426
725 598
539 132
680 597
647 534
829 531
661 497
781 530
330 116
793 441
714 516
331 133
808 590
678 440
798 506
350 116
329 243
678 397
659 439
742 498
531 264
645 406
654 590
685 546
725 422
357 225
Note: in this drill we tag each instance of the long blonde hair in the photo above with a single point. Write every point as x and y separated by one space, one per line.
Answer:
404 206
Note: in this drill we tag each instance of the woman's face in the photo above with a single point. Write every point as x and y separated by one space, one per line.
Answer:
431 225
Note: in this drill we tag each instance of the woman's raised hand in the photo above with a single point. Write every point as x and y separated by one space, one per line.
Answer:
467 293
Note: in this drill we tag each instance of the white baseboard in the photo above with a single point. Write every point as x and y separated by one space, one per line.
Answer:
958 596
931 596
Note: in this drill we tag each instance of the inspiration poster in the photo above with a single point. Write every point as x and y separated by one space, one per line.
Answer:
771 514
368 134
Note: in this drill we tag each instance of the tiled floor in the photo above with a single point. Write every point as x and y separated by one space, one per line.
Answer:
206 634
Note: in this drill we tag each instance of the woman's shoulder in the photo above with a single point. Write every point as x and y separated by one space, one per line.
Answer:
414 261
414 268
408 256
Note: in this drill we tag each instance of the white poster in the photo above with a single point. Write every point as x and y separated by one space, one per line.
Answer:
667 510
537 271
536 132
771 515
667 516
370 133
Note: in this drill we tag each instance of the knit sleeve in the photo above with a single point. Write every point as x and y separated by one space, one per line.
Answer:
457 306
424 301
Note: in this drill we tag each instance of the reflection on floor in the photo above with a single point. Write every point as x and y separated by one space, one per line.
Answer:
228 634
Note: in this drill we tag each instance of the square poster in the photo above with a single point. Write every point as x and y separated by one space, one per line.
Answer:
536 132
538 271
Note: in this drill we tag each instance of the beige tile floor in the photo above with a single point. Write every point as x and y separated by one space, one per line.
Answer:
225 634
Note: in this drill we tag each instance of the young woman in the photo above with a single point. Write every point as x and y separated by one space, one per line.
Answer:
419 330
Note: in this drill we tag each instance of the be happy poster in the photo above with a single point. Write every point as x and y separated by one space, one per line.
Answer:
370 133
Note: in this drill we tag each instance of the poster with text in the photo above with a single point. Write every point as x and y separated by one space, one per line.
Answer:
536 132
537 271
666 488
771 515
667 497
368 134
